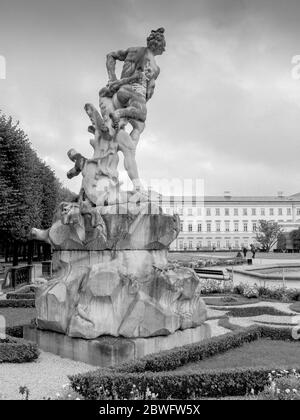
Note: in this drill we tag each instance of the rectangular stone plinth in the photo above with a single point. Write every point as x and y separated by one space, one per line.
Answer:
110 351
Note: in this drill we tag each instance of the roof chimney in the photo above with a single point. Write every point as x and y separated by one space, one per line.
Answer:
280 194
227 195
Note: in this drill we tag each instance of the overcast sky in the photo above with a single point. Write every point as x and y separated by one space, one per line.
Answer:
226 108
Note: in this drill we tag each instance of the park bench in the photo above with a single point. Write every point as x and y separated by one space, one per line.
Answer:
213 273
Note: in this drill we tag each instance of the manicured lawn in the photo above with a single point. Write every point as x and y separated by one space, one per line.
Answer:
295 307
17 316
264 352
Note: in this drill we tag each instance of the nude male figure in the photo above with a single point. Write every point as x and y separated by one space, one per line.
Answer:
130 94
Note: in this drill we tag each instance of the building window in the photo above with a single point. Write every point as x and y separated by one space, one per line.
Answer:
227 226
199 228
209 244
279 212
218 244
253 212
245 212
226 212
167 210
217 212
180 245
190 212
245 227
228 243
236 212
289 212
181 227
208 227
180 211
254 226
199 211
218 226
262 212
208 212
190 227
236 226
236 243
271 212
190 244
298 212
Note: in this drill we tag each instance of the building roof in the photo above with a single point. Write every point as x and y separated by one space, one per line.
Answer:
235 199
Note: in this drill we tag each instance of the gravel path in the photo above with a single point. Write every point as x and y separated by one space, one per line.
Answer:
216 329
43 378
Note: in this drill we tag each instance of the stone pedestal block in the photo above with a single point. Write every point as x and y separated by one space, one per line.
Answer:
109 351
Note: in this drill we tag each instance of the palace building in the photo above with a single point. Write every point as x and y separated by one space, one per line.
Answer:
228 222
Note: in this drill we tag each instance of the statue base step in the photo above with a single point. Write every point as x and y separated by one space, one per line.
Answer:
110 351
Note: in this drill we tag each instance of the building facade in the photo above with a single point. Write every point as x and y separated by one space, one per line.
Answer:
228 222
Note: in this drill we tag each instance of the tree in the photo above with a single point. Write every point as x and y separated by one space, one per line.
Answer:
268 234
295 237
29 190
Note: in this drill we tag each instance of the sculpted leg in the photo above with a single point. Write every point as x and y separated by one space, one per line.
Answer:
127 145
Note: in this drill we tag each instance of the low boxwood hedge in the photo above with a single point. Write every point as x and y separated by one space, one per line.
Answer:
156 371
21 296
17 303
17 350
251 311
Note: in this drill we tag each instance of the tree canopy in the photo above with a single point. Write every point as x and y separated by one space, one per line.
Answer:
29 189
268 234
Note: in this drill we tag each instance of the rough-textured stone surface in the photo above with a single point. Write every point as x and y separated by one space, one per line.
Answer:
119 293
103 229
109 351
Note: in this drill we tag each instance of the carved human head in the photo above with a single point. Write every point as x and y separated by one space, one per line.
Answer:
156 41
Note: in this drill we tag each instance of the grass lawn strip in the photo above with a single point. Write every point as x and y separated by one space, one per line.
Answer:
262 353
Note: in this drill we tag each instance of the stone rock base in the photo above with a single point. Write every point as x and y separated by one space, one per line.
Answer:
110 351
125 293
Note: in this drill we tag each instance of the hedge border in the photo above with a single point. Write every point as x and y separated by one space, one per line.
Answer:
156 371
17 350
20 296
243 312
17 303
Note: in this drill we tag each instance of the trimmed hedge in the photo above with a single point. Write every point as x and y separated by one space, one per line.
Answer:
250 311
17 350
15 331
174 385
156 371
20 296
17 303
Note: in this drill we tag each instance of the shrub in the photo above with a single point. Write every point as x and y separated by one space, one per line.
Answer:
155 373
248 311
18 296
17 350
17 303
283 385
16 331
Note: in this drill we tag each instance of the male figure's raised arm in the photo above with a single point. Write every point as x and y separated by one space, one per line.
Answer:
111 59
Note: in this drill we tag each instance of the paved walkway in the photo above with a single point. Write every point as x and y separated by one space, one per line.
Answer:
44 378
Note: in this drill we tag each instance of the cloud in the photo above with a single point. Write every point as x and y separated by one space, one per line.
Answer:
225 109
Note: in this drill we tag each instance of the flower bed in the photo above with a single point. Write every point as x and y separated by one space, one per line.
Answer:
155 373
